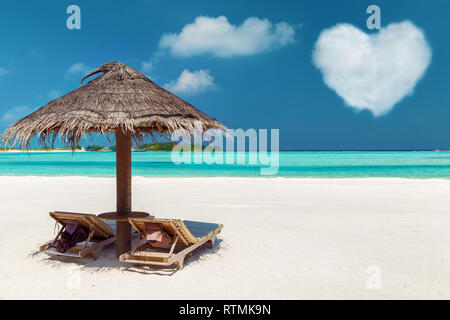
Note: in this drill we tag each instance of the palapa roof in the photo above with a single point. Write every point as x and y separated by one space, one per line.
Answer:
121 98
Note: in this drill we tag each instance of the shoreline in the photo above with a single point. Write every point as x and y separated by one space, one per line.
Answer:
254 178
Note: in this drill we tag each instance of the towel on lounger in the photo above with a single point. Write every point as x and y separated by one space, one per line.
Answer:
156 236
69 238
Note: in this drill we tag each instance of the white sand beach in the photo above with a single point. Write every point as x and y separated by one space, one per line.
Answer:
282 239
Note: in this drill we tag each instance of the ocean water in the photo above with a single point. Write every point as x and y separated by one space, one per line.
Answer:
291 164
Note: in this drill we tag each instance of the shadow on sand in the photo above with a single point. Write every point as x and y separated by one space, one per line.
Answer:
107 261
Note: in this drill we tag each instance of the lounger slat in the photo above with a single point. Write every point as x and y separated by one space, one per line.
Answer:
141 260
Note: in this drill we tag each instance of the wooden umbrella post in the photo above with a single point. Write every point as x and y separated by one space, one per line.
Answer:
123 191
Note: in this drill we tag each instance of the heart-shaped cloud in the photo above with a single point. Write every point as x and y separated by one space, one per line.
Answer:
374 71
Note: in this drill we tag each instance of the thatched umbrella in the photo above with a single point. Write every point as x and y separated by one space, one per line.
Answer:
121 101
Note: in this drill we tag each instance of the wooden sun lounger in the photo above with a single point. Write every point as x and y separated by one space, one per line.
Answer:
186 235
100 235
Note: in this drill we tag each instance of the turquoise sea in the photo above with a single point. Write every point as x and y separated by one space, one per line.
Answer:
291 164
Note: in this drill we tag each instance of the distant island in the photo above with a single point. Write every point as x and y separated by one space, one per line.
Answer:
157 146
44 149
148 147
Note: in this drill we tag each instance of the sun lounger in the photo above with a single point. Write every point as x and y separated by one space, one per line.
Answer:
186 237
100 235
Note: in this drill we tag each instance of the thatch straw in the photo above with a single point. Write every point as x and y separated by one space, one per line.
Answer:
121 98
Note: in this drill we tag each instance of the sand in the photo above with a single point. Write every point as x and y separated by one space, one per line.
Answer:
282 239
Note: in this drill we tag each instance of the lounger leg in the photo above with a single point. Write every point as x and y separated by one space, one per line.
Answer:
136 245
57 236
86 243
95 254
46 246
52 243
179 263
173 246
211 242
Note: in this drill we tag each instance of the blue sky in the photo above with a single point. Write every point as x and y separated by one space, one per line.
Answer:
262 75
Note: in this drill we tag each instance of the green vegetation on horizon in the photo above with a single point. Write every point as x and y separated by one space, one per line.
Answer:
40 149
158 146
94 148
152 147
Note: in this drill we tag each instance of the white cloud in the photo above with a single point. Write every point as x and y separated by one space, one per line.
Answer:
37 53
147 66
54 94
218 37
3 71
191 83
79 69
376 71
15 113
